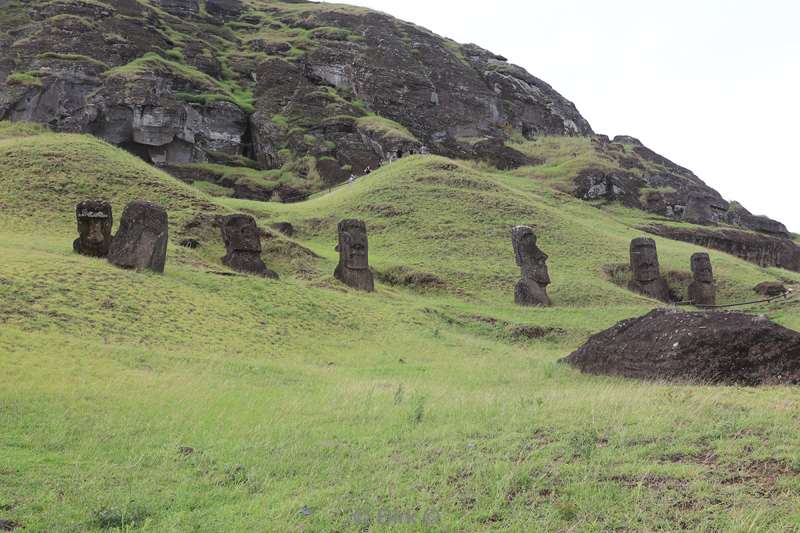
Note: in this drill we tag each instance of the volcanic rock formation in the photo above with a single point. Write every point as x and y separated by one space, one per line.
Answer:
316 91
763 250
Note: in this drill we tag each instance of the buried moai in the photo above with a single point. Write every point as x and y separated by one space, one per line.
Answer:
702 291
532 288
647 278
94 228
141 240
243 246
353 268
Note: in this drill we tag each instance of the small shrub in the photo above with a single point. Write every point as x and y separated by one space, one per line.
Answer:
131 516
407 277
26 79
280 121
418 411
385 127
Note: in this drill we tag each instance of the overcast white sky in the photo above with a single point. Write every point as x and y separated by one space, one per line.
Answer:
713 85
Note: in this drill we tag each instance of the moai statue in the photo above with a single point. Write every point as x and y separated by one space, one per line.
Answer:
94 228
702 291
532 288
647 278
353 268
243 246
141 240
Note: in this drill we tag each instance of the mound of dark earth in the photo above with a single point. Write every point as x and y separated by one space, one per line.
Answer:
710 347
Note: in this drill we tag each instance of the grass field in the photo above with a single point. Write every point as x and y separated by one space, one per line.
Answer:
195 402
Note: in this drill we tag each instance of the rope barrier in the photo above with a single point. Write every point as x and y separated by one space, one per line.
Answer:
786 296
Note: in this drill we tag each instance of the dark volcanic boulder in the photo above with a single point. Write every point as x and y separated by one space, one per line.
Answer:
739 216
501 156
710 347
141 241
181 8
284 227
9 525
771 288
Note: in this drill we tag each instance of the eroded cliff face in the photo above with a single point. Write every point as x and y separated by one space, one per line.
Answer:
763 250
639 177
178 81
309 93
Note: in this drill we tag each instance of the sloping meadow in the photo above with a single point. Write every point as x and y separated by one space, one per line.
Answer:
193 401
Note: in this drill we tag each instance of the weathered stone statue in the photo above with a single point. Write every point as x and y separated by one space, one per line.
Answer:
532 288
94 228
702 291
141 240
353 268
243 246
647 278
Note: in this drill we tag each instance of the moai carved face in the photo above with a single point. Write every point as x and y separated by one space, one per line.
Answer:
94 228
701 268
141 240
240 234
644 260
530 258
353 248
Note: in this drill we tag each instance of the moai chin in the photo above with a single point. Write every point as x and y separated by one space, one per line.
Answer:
353 268
702 291
94 228
243 246
647 278
532 288
141 240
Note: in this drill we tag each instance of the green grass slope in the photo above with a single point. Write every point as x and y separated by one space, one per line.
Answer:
194 402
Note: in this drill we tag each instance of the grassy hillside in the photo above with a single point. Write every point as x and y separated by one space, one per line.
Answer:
194 402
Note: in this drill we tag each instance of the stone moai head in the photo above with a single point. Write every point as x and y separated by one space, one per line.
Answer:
141 240
353 268
94 228
240 234
353 247
644 260
243 246
701 268
531 260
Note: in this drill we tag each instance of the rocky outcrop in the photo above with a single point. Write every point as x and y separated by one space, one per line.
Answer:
739 216
180 8
710 347
638 177
763 250
319 91
152 77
